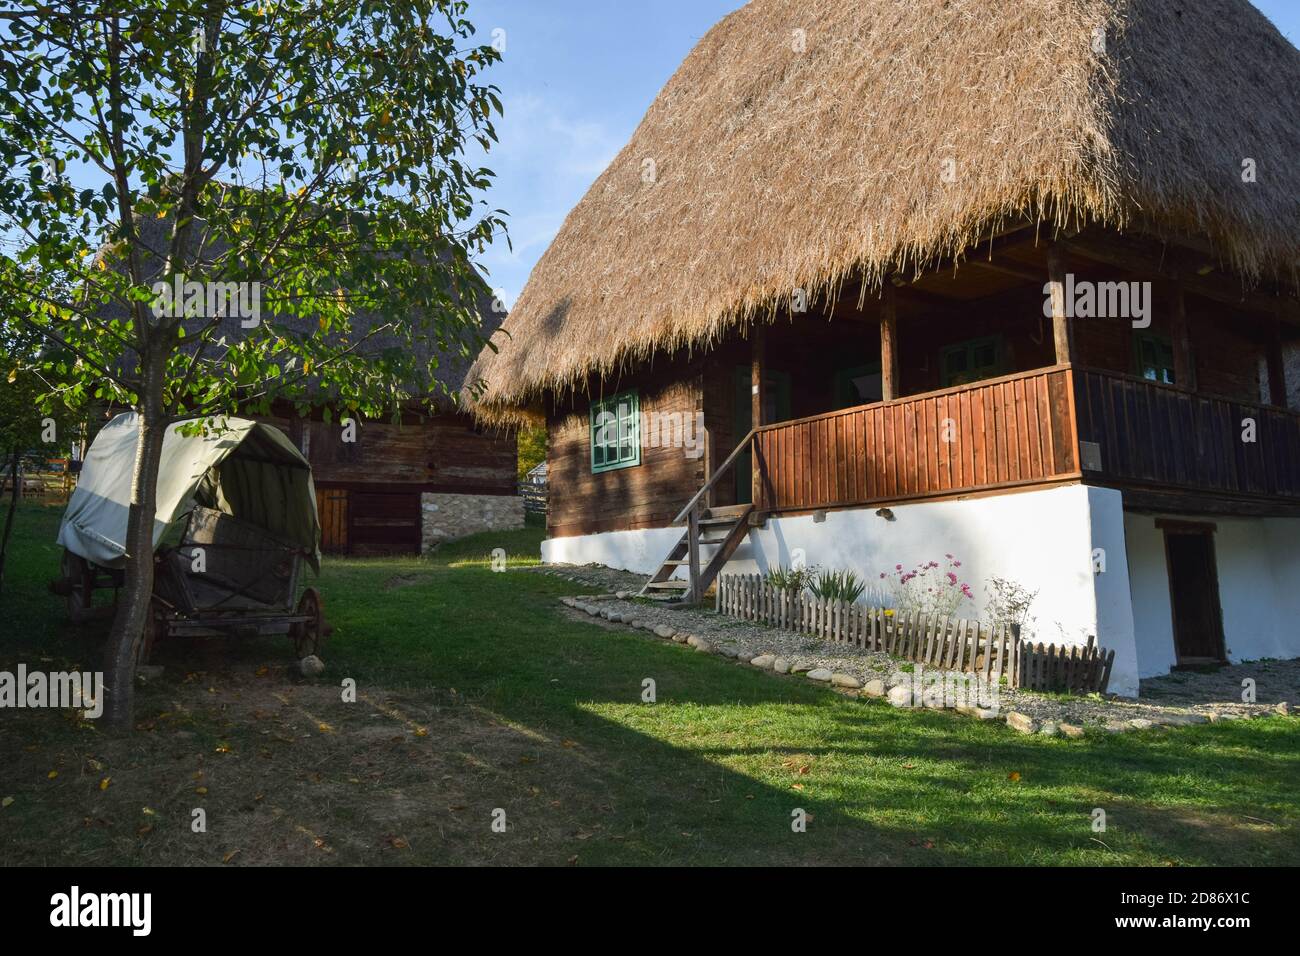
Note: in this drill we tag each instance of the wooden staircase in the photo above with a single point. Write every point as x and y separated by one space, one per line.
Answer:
721 530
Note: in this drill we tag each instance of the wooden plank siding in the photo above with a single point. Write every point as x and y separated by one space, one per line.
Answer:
368 490
1167 437
1007 432
646 495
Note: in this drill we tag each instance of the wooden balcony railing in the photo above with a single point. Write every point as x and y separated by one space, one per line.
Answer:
999 433
1162 436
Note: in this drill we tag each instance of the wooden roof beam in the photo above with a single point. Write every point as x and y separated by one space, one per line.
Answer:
1173 264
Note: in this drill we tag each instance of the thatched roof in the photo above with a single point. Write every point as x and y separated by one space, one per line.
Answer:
776 169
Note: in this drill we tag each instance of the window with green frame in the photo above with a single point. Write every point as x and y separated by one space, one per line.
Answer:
970 361
616 432
1155 357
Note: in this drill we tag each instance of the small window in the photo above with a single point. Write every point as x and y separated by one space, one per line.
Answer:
616 432
1155 357
971 361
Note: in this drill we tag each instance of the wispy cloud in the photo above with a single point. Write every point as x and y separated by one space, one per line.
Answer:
547 158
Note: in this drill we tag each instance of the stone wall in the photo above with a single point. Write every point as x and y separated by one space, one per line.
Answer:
448 516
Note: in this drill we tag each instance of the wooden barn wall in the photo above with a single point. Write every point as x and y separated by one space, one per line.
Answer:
647 495
446 453
1227 346
368 491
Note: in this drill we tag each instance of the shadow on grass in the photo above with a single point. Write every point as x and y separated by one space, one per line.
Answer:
527 710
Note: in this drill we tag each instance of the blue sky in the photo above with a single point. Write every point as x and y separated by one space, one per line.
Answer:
576 78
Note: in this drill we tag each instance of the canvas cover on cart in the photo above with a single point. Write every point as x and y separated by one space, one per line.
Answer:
246 469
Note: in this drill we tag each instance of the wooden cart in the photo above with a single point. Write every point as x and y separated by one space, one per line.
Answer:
225 577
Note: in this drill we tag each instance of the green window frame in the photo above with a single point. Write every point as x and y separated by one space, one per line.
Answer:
1153 355
971 361
616 432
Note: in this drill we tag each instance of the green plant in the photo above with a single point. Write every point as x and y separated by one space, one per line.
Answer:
794 580
837 586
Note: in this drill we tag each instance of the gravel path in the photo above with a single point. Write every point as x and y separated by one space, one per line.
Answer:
1180 698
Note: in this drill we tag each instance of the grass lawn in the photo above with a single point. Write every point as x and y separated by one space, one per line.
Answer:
478 692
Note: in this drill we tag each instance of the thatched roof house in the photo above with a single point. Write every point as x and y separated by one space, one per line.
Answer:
877 281
804 143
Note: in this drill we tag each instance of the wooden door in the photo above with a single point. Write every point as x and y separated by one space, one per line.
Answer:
332 510
1194 594
384 523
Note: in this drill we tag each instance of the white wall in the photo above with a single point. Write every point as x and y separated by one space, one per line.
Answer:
639 551
1259 589
1043 540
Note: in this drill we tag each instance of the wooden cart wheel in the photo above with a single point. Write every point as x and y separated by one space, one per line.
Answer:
80 583
309 636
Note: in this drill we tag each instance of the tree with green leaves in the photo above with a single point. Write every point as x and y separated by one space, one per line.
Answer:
29 421
256 203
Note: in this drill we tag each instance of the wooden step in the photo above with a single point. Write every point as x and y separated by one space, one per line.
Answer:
711 522
673 584
727 511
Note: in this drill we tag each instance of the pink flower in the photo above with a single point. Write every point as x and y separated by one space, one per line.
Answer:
956 564
952 578
898 567
948 556
882 574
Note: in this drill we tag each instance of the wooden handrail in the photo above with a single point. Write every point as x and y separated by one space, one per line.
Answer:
1184 390
722 469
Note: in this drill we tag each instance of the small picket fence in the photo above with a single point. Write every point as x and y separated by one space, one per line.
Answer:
991 651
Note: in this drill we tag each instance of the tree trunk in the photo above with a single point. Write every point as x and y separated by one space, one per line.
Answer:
133 602
9 518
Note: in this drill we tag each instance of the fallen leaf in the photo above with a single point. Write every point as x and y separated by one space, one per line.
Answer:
7 802
399 843
223 748
568 743
103 784
263 671
796 786
1014 776
230 856
201 790
51 775
421 731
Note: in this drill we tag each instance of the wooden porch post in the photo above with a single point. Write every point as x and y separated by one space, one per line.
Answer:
888 342
1276 367
1062 328
757 343
1184 360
